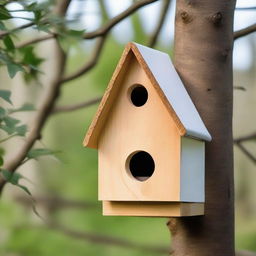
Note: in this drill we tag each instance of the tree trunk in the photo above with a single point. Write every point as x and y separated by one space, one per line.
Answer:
203 58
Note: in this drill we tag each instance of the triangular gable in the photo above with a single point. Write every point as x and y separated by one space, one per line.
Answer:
170 83
160 70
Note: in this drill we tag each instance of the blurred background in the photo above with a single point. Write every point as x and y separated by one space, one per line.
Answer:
64 187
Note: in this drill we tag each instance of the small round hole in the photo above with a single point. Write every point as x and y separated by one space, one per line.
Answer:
141 165
139 95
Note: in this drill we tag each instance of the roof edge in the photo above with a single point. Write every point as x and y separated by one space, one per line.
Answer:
139 57
90 140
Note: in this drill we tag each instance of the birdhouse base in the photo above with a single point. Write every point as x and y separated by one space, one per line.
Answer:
152 209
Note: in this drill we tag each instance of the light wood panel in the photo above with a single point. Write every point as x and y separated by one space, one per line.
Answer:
154 209
128 129
93 133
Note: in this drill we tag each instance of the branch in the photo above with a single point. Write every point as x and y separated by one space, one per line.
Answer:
245 8
36 40
245 253
5 33
111 23
54 202
40 119
245 31
46 106
251 136
109 241
238 142
246 152
90 64
104 12
69 108
101 31
241 88
155 34
96 238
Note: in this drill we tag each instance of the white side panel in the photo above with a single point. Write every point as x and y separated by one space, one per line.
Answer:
169 81
192 170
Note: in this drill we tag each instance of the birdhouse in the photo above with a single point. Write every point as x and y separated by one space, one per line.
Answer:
150 140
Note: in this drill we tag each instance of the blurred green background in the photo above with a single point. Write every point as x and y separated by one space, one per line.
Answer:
65 188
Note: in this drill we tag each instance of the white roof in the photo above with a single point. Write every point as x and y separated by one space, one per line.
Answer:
170 83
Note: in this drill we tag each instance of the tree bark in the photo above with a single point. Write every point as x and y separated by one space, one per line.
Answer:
203 57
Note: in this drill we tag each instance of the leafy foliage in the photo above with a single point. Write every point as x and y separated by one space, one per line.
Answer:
24 59
14 179
5 94
38 152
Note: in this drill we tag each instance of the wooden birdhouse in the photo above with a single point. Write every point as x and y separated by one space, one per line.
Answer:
150 140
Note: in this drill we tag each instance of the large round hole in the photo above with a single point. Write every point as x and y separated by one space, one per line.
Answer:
141 165
139 95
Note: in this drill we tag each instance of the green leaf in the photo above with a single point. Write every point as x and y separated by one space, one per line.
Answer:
6 95
75 33
14 178
13 68
8 130
2 151
21 130
9 43
10 121
4 14
11 177
2 113
38 152
2 26
10 126
6 174
1 160
32 61
4 58
38 15
24 107
27 191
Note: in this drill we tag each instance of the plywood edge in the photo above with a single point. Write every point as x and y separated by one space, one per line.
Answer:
152 209
91 137
139 57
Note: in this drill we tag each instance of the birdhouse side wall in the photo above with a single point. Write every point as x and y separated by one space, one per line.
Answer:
192 174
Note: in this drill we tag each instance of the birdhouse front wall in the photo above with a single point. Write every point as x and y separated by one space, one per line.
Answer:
130 128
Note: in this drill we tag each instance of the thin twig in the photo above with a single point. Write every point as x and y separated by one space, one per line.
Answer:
54 89
111 23
245 31
246 152
107 240
41 117
238 142
46 107
245 8
68 108
54 202
102 30
245 253
102 33
96 238
251 136
36 40
241 88
158 28
90 64
8 32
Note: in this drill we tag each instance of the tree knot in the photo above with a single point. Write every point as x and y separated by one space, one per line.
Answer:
217 18
186 18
